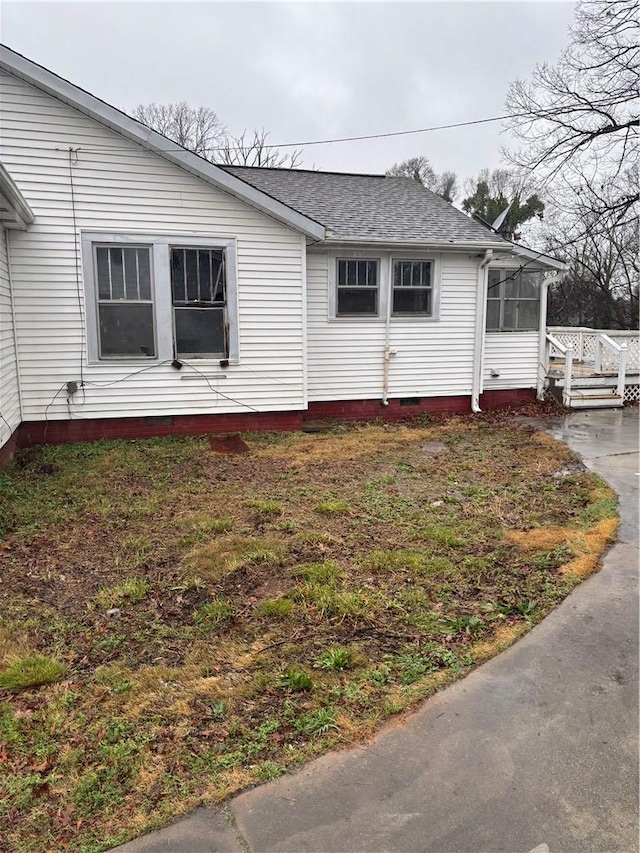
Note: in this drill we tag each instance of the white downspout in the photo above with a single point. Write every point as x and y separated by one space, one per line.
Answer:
543 365
542 340
478 342
13 326
388 350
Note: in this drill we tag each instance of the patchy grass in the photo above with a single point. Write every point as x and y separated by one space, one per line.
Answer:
30 671
332 507
129 591
176 625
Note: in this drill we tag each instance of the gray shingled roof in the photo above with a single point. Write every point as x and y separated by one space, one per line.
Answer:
368 206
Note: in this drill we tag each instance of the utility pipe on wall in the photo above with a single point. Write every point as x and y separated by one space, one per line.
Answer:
14 327
388 350
478 342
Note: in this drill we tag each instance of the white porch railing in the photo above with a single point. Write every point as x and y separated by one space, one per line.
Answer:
597 351
584 343
604 343
553 344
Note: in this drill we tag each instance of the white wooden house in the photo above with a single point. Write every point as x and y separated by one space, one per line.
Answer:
145 290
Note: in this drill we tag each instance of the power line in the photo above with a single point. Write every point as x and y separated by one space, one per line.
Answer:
336 139
375 135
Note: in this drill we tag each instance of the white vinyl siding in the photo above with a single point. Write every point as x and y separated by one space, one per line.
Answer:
434 356
514 356
9 394
121 188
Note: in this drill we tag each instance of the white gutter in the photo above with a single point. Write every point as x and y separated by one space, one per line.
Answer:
478 341
14 331
15 202
426 245
544 260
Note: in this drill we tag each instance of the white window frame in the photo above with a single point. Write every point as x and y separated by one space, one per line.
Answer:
175 308
333 287
433 287
385 285
99 301
511 271
161 245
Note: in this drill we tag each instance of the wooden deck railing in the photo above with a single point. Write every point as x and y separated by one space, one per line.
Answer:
597 353
584 342
603 343
552 343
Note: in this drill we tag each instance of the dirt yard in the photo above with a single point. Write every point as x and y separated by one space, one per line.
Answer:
177 624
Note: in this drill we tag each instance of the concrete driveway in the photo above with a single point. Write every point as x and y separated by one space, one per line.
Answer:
535 750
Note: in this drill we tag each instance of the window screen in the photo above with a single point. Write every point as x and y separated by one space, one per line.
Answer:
357 287
513 300
125 304
198 291
412 288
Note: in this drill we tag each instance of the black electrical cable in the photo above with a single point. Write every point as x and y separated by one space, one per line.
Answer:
73 159
219 393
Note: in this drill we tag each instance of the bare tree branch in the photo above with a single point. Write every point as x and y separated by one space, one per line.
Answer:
420 169
244 151
196 128
584 109
200 130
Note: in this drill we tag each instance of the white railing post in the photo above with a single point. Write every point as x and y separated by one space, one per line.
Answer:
581 345
568 370
622 371
597 360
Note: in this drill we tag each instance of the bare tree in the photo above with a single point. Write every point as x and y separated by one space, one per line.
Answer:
196 128
199 129
601 248
503 191
420 170
579 116
417 168
244 151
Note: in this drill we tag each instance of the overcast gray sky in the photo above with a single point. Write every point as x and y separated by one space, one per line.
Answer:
308 71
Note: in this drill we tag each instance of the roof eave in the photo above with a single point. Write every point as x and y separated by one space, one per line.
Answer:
40 77
499 245
22 215
439 245
538 257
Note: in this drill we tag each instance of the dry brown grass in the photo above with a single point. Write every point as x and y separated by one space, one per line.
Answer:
587 546
349 444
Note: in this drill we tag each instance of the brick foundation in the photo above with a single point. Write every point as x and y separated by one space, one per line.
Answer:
61 432
505 399
7 450
366 410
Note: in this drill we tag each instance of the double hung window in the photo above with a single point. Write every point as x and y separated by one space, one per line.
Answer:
386 286
160 297
412 288
357 288
125 301
198 292
513 300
